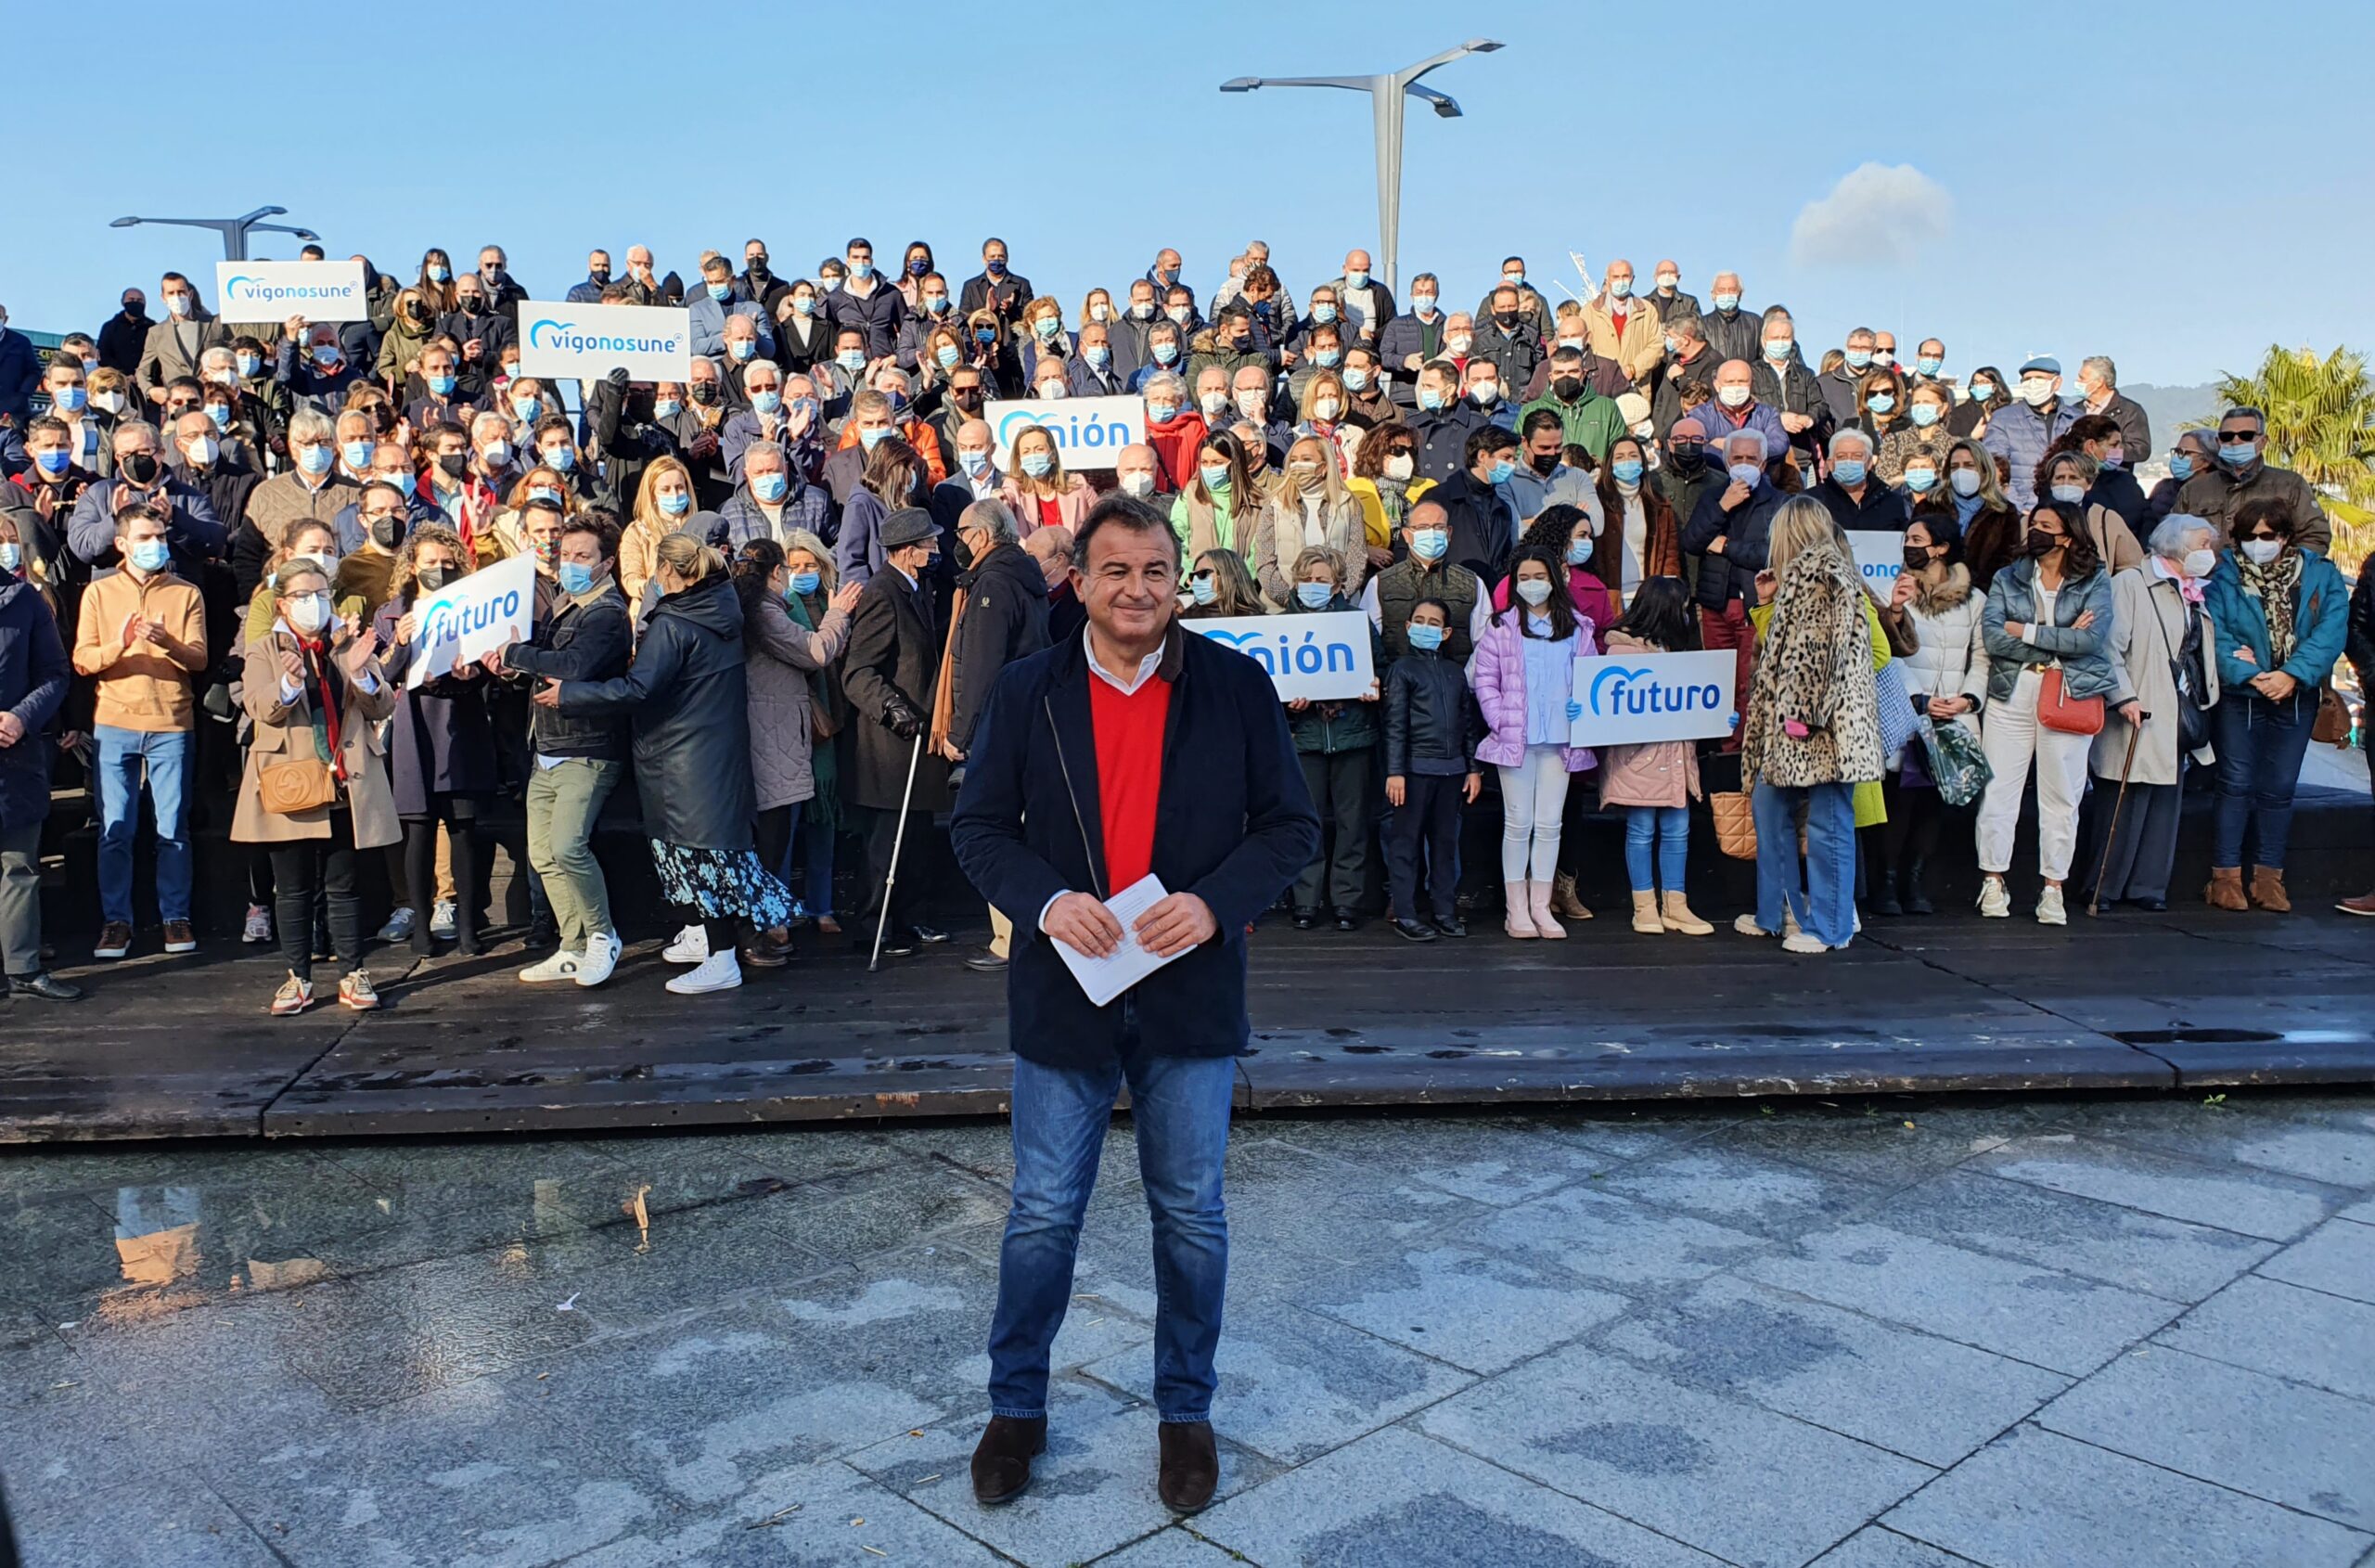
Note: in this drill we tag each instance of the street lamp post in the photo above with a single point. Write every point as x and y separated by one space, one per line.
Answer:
1385 102
234 231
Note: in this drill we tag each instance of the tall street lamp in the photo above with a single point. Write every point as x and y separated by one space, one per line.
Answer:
1385 101
234 231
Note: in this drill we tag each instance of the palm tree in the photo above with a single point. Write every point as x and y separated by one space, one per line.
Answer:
2321 425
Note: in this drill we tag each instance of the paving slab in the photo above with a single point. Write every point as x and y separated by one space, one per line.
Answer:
2337 1258
1473 1309
2271 1326
174 1521
1877 1547
2274 1208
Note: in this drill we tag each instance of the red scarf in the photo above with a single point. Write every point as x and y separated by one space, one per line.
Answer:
317 657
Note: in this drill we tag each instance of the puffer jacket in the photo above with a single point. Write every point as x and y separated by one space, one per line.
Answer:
779 654
1951 658
2320 624
1496 674
1431 725
2084 656
1814 664
1658 773
2019 434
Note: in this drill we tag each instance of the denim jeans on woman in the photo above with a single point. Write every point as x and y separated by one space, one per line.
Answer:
1179 1107
1825 902
1657 846
2260 745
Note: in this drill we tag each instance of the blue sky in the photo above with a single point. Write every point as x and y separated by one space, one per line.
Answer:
2096 201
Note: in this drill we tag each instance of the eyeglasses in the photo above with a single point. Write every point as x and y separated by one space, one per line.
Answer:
2231 437
1204 575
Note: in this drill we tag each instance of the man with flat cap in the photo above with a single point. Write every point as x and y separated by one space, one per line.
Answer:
888 673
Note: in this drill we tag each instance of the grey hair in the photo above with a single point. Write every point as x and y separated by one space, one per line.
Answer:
758 446
758 365
991 517
142 427
2244 411
216 358
2101 364
1855 332
1746 432
2175 536
1851 432
310 425
1169 381
1687 326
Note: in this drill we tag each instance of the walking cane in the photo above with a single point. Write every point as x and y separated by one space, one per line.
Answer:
898 840
2134 733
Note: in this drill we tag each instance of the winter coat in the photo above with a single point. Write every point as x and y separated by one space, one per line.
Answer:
285 731
878 315
1377 528
1883 510
1443 439
1005 620
1496 674
2214 492
1432 723
2135 425
1658 773
778 653
1950 658
1517 352
1072 505
687 692
1757 415
1814 664
34 675
706 319
191 530
1789 388
1734 334
2148 634
1278 538
1903 439
1483 523
2320 622
2082 655
441 741
1747 533
1346 725
1591 421
894 650
587 638
1594 600
2019 434
1640 348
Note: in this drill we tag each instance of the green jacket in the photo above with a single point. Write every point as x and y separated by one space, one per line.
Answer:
1590 422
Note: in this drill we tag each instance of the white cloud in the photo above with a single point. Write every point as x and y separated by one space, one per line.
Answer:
1877 215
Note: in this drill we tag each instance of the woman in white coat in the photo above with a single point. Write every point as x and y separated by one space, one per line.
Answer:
1946 676
2161 637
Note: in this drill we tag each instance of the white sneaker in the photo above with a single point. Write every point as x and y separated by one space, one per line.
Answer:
563 965
1746 925
692 946
440 920
258 929
1789 921
1803 941
600 958
1995 903
2050 909
720 972
399 925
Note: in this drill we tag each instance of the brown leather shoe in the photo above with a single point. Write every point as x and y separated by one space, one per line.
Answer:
2363 905
2226 888
1002 1459
768 949
2267 891
1190 1465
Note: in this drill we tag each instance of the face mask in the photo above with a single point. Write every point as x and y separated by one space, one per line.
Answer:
1204 591
1566 389
527 408
1917 556
1920 480
1514 279
803 584
1251 403
1037 464
109 402
2181 468
327 356
12 556
703 392
1356 380
1324 409
862 269
2260 552
1054 391
1178 314
803 304
1542 462
1322 313
676 503
1423 637
767 402
1215 478
1966 482
202 451
2200 563
1046 328
1579 551
1429 544
71 399
543 493
1745 473
221 414
1734 396
433 577
498 455
151 555
1314 596
1165 353
1140 484
562 460
1848 470
317 460
745 349
1458 346
1486 394
1884 356
2235 454
179 304
386 530
1500 471
576 577
1430 399
2042 545
2069 495
357 454
1399 468
1923 415
453 464
1858 358
1098 356
1881 403
1778 349
310 612
946 356
769 488
53 463
2037 393
1627 470
1621 289
1686 456
2114 460
1535 591
1212 403
1982 391
850 360
666 409
719 291
976 462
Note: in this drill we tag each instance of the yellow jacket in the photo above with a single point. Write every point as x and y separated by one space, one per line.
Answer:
1379 530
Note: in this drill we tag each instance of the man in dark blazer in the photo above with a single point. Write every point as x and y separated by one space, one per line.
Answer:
1137 749
889 672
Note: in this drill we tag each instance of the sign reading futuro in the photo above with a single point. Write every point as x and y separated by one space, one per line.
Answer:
1323 657
1880 555
472 616
654 342
277 290
1089 432
1636 696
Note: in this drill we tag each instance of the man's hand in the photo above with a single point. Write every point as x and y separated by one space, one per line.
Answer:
902 720
1797 423
132 632
294 328
1736 495
798 420
618 378
12 729
2132 712
153 633
1082 924
1719 544
1397 790
1179 922
548 695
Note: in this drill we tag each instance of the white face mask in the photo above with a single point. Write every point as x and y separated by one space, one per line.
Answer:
1535 590
1251 403
1323 408
1732 396
202 451
2260 552
1398 468
2200 563
1139 484
2038 391
1212 403
1486 392
310 612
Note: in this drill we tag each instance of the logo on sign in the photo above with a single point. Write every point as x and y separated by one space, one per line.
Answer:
1618 691
1309 657
1070 435
544 332
242 288
450 623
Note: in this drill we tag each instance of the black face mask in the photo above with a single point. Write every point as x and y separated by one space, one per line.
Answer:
142 468
388 532
1508 318
1566 389
1542 462
1917 556
1243 341
1686 456
136 308
416 311
431 578
703 392
452 465
2042 545
966 398
758 266
598 275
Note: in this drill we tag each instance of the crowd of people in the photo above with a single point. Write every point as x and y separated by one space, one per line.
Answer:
775 597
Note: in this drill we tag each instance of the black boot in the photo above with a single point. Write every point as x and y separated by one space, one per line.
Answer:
1002 1461
1916 898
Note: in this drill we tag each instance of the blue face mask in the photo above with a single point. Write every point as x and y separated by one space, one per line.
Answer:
315 459
1923 415
1579 552
1097 354
1047 327
666 409
74 399
1215 479
151 555
576 577
438 272
1881 403
1423 637
1314 596
861 269
403 482
1430 399
767 402
803 584
676 503
1322 313
12 556
1037 464
2236 454
442 385
561 459
1628 470
1204 589
1429 544
1160 413
356 452
850 360
1356 380
1165 353
804 305
947 356
221 414
327 356
1929 364
719 291
870 439
1327 358
2181 468
1356 279
1848 470
527 408
1858 358
1501 471
936 303
1920 480
543 493
769 488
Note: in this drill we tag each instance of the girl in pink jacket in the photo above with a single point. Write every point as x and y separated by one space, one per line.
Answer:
1656 780
1523 673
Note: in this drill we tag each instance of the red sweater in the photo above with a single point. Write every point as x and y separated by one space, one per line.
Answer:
1129 772
1175 446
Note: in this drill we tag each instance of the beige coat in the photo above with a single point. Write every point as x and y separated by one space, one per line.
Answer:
1278 538
1642 346
2147 630
283 500
283 731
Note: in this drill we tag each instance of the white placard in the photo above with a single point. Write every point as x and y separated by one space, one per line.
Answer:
277 290
1106 978
1880 555
1089 432
1630 698
472 616
1323 656
654 342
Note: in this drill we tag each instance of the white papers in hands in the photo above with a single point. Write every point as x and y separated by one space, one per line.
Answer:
1104 978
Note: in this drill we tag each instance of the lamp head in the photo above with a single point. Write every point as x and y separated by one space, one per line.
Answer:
1240 84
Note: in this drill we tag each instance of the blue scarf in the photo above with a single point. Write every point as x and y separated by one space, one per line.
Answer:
1967 507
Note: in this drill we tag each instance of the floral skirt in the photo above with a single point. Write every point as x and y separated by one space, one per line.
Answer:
722 884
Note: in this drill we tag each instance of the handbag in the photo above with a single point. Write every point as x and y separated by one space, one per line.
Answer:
1896 707
1958 765
295 785
1735 823
2070 715
2331 726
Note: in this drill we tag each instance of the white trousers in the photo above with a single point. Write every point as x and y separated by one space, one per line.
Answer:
2011 737
1534 802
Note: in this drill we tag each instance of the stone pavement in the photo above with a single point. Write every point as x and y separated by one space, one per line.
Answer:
2067 1332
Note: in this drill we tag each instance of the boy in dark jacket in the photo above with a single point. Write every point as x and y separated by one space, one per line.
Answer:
1431 728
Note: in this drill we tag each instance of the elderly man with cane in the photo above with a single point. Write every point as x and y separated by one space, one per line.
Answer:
888 673
1141 765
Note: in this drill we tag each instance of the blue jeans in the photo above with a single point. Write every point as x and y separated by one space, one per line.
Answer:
124 755
2260 746
818 839
1662 832
1825 904
1180 1108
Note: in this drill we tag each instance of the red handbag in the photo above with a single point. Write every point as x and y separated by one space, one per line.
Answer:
2070 715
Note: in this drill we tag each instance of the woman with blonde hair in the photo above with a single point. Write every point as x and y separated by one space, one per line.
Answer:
1991 527
1037 490
410 329
687 692
1096 310
1040 335
663 502
1219 586
1310 510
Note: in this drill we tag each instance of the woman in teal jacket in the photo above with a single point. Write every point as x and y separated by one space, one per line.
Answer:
2280 612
